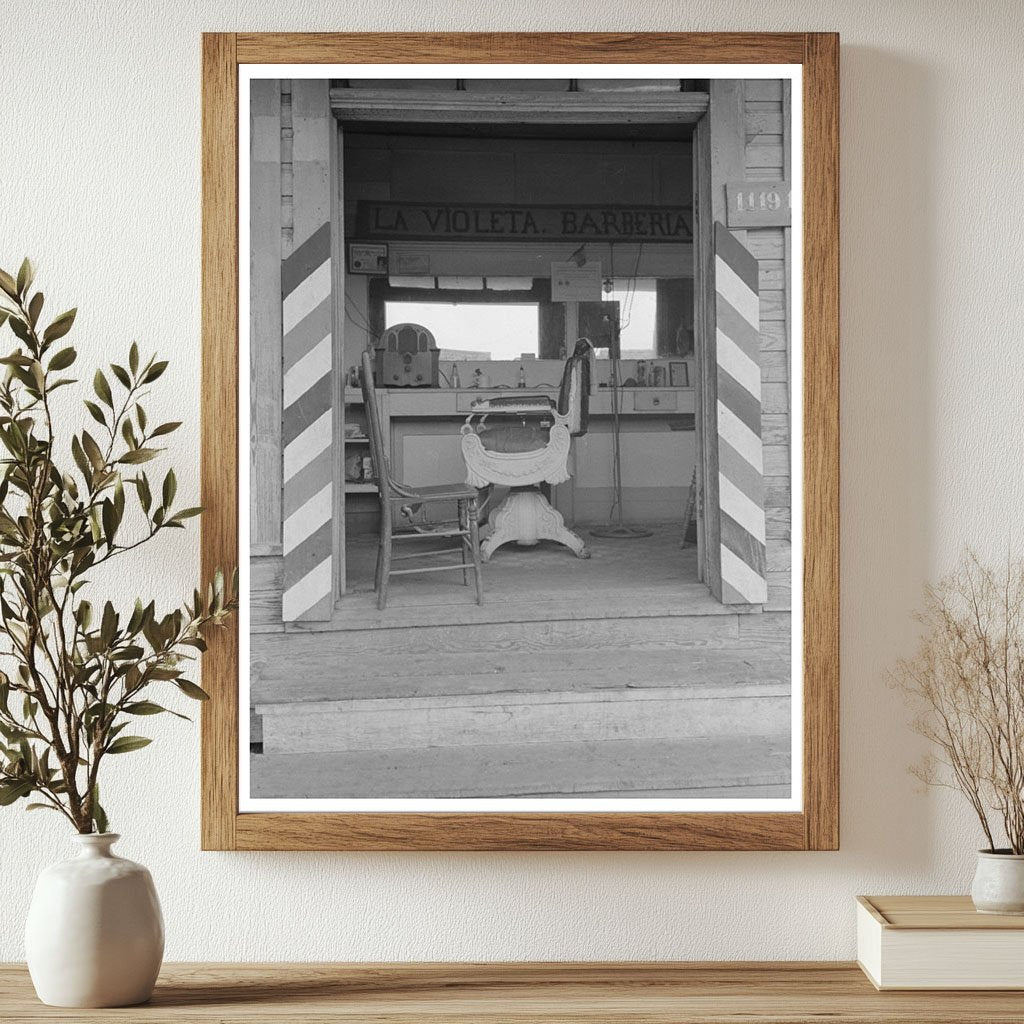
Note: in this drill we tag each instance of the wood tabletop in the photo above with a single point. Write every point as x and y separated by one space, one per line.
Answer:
666 993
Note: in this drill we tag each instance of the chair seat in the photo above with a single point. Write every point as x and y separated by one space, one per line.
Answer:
436 492
514 437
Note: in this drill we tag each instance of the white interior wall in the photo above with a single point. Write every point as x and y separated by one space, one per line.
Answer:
101 182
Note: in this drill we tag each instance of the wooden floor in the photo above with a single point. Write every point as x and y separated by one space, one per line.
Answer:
527 993
621 579
613 676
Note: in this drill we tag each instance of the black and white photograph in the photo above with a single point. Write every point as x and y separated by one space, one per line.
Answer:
519 494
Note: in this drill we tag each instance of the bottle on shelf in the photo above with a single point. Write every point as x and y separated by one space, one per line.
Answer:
522 378
456 383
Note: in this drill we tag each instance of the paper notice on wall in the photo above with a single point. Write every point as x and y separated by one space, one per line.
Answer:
573 283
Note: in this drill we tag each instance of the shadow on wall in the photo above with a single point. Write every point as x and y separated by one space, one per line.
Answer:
888 276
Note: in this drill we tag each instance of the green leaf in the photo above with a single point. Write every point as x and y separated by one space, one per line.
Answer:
26 274
170 488
139 455
20 329
99 816
191 690
41 807
140 415
108 626
126 744
154 371
145 497
60 326
165 428
128 433
63 359
95 412
186 513
7 283
133 358
92 449
121 374
12 791
35 308
109 521
80 458
102 388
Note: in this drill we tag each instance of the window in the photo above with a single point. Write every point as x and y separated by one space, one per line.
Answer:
473 330
638 307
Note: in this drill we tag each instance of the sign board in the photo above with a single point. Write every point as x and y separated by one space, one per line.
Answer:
486 222
573 283
758 204
367 259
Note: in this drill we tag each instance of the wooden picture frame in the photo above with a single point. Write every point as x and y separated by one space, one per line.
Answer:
816 825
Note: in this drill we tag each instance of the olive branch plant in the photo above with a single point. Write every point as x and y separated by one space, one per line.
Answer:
74 675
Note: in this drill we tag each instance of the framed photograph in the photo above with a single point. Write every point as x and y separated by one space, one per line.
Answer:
494 594
679 374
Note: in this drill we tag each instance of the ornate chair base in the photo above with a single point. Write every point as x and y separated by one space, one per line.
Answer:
526 517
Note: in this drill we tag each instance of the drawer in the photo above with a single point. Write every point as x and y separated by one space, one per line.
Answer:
654 401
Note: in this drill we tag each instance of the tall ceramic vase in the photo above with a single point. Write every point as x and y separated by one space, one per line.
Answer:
95 934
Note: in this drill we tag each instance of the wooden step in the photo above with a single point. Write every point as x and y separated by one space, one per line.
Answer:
277 682
561 716
701 768
308 651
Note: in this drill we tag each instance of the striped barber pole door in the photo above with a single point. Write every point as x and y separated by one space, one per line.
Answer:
307 430
738 415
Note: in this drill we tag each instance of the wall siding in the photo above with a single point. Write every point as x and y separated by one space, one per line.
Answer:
765 123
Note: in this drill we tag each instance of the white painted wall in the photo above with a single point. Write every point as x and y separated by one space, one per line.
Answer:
99 181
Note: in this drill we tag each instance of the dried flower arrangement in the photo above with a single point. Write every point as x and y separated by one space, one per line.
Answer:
967 682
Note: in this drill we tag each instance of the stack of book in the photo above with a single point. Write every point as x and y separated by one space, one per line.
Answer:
938 942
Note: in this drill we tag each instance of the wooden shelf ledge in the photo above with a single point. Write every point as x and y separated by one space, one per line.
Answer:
679 993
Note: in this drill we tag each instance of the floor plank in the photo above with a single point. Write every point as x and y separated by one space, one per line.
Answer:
473 719
696 766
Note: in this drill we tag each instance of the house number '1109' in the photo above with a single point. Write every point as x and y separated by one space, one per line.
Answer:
758 204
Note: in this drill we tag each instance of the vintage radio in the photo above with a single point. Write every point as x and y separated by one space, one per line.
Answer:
405 356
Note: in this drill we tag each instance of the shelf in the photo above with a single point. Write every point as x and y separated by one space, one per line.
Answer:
362 439
360 487
590 993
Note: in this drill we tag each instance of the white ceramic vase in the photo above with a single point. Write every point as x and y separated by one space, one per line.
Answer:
999 883
95 934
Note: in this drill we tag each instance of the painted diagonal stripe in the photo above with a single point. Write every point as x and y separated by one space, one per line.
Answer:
741 517
742 578
308 480
739 400
305 258
740 473
306 297
737 255
309 553
310 597
306 409
307 333
738 506
307 446
732 288
311 367
738 364
741 437
306 519
307 428
742 333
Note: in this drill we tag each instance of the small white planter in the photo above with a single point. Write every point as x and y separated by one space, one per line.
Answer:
999 883
95 934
